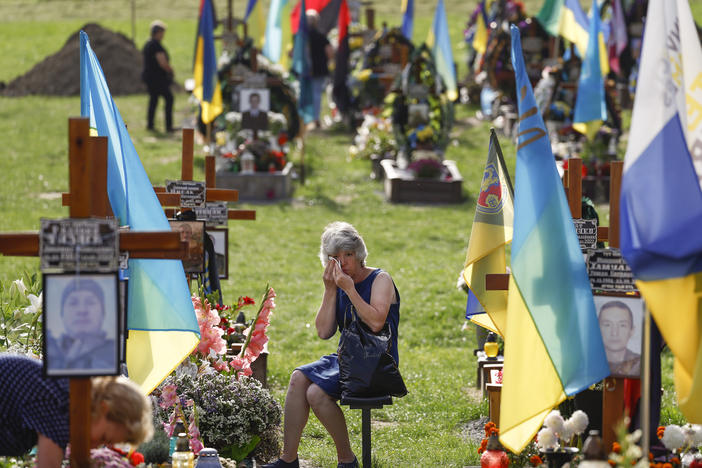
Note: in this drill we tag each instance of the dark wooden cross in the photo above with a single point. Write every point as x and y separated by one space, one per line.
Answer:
212 193
89 199
613 392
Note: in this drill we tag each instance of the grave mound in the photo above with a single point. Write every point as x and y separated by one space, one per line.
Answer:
59 74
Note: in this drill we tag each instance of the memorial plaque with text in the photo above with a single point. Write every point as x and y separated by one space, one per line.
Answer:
586 229
75 244
608 271
192 193
214 214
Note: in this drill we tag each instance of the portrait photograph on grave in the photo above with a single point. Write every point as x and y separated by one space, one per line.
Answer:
621 324
418 114
192 232
220 241
81 324
254 105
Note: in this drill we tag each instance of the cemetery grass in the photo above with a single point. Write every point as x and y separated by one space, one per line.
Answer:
423 247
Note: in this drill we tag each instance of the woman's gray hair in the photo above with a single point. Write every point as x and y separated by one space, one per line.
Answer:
338 236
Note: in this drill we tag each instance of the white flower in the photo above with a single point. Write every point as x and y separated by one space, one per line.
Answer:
554 421
18 285
633 452
187 367
580 421
568 430
35 302
696 434
546 439
233 117
673 437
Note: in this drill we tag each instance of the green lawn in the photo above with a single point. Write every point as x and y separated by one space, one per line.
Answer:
423 247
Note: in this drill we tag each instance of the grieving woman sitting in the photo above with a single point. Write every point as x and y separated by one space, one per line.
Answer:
34 410
348 285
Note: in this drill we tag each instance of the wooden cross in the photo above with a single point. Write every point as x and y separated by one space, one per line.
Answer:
613 393
89 201
212 193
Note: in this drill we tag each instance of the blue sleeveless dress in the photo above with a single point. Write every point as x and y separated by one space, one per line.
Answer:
325 371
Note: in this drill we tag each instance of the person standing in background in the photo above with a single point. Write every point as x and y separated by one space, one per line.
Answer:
321 51
158 75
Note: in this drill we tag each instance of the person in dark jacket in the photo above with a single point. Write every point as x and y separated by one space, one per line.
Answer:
158 75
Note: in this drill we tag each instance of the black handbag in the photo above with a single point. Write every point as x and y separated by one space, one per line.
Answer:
366 367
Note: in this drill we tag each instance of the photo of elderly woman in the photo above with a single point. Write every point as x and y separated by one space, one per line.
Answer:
80 326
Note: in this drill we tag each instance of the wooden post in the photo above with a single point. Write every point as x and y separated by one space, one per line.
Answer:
79 154
370 18
613 393
186 167
575 191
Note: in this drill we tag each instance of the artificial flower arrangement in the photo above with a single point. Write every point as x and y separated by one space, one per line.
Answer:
558 433
378 58
428 168
683 442
374 139
110 457
269 150
214 395
422 114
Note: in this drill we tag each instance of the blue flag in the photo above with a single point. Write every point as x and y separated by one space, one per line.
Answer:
302 66
407 18
558 341
661 198
590 106
440 43
162 322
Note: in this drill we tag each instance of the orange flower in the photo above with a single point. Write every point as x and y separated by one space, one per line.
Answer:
616 447
675 461
650 456
660 431
667 465
535 460
489 427
612 463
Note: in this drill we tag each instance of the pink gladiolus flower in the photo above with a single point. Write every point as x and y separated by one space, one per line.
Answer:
241 365
196 446
169 397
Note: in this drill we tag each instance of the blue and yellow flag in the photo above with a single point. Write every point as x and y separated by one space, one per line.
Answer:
407 18
255 23
567 19
302 66
491 232
480 37
590 106
163 328
558 344
207 88
661 199
278 33
439 42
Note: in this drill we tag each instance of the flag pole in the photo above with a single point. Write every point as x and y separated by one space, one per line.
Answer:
645 405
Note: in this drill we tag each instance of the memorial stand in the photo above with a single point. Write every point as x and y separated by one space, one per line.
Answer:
87 200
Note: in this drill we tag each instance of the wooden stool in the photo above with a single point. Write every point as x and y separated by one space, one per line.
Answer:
366 405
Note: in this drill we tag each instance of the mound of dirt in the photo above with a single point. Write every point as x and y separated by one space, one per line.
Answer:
59 74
